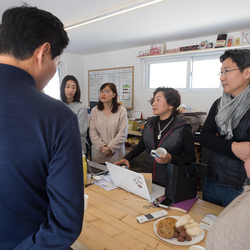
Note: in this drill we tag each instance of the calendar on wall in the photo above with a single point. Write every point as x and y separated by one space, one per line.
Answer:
122 77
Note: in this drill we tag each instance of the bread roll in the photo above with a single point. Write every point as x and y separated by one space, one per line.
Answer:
194 231
190 225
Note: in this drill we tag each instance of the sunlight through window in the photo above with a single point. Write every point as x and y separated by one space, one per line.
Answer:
53 87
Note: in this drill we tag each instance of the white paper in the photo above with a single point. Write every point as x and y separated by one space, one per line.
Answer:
105 182
136 114
208 221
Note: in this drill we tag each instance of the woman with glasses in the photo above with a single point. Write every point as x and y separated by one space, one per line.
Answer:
108 126
70 95
226 131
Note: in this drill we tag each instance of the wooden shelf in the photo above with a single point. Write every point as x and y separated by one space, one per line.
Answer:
133 132
198 51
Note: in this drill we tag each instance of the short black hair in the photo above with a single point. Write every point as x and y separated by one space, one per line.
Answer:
240 56
77 95
24 29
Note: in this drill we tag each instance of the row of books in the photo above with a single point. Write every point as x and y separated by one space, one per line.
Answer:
221 41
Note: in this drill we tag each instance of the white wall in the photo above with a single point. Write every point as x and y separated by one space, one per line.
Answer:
74 65
79 66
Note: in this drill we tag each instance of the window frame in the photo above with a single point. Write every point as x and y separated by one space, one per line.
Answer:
169 60
188 55
200 58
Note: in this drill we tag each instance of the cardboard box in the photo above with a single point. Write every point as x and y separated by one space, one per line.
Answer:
148 179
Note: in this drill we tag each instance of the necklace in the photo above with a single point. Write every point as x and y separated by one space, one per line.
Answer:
160 131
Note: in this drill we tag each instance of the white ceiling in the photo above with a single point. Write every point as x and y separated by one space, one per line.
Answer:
166 21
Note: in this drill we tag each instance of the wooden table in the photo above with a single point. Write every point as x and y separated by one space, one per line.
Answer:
110 221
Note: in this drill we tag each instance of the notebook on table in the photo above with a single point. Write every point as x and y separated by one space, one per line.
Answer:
96 168
133 182
182 206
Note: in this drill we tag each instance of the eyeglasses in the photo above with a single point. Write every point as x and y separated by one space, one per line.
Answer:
104 92
228 70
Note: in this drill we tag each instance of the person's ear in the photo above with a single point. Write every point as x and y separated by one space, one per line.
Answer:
42 52
247 73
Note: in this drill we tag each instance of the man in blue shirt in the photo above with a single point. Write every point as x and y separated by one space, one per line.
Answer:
41 183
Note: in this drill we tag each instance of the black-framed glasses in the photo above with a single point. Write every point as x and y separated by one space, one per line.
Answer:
228 70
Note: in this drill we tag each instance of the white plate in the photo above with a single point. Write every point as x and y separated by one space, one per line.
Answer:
195 239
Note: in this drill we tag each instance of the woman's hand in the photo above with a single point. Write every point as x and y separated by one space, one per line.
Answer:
163 159
106 151
110 154
122 162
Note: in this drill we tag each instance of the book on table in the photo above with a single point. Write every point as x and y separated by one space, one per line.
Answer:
184 206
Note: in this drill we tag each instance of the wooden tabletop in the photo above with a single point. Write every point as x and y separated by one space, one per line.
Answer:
110 222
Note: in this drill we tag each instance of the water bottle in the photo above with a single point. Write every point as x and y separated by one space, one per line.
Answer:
84 163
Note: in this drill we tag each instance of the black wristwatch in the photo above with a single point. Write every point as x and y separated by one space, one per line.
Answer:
247 182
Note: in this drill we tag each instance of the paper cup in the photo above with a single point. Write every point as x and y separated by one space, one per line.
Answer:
86 197
196 247
159 152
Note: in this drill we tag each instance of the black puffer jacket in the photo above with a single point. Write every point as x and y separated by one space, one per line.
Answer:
229 170
171 141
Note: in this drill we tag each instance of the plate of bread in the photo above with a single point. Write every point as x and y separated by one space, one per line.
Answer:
179 230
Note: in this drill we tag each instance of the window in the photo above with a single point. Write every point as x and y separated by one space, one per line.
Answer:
168 74
205 73
198 70
53 87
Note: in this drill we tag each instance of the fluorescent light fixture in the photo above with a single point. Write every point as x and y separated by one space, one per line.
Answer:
114 13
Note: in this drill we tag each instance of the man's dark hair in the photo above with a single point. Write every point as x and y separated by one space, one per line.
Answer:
240 56
77 95
24 29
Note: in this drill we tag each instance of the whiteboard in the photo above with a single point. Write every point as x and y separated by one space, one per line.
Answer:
122 77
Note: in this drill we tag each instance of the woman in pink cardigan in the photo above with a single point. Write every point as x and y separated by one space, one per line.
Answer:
108 126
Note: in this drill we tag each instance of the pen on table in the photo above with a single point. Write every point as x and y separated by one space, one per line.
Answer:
88 184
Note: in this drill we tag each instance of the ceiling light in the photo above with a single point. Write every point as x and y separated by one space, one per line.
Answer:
113 13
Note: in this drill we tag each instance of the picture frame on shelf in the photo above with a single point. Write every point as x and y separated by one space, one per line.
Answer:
230 41
237 41
157 49
175 50
203 45
191 47
221 41
245 37
144 53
